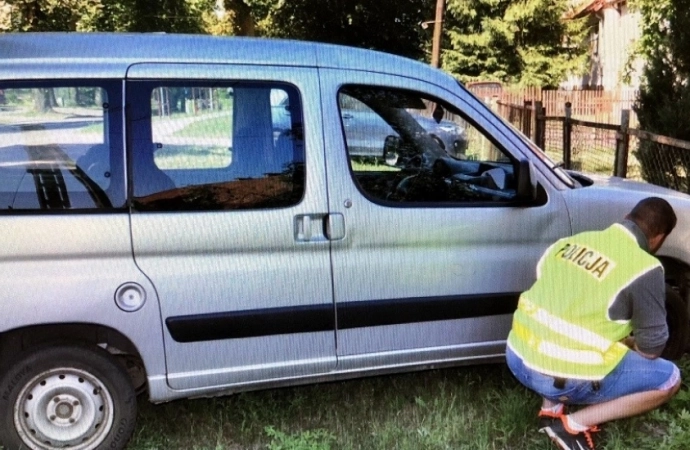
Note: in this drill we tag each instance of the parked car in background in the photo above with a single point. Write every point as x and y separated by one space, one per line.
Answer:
367 131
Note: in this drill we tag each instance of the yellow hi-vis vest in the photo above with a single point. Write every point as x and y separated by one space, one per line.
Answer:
561 327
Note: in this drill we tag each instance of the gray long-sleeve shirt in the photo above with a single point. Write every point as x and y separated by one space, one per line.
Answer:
643 303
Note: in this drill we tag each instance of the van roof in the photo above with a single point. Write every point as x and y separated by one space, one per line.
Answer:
107 55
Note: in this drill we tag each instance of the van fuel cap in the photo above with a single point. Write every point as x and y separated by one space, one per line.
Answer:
130 297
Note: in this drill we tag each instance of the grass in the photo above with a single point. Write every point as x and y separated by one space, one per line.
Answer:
375 165
192 157
213 127
472 407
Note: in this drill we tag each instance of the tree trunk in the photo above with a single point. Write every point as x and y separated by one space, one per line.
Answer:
243 17
42 100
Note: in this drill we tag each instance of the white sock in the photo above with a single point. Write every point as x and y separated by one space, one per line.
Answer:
570 423
556 409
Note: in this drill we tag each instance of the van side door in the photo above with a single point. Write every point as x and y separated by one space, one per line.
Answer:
436 246
228 194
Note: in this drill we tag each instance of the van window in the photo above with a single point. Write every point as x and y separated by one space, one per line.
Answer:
60 146
219 146
405 147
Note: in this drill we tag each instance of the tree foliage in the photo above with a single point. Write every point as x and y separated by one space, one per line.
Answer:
393 27
47 15
389 26
526 42
175 16
663 103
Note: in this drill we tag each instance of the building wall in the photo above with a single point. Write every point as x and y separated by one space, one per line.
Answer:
618 30
615 29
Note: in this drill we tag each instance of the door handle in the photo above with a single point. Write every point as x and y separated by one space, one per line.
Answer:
319 227
335 226
303 224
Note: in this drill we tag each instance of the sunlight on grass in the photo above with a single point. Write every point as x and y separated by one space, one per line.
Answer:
474 407
372 166
213 127
192 157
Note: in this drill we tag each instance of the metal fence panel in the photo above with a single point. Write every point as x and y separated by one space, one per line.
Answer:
595 147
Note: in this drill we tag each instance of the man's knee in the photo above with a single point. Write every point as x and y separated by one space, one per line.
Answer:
672 385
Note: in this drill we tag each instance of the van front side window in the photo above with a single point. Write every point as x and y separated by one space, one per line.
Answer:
405 147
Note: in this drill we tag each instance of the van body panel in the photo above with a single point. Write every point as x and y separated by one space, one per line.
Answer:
426 256
615 195
96 51
224 275
69 271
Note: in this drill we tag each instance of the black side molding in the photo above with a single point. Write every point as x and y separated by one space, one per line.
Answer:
317 318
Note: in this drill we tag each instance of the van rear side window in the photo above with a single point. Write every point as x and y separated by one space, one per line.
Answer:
216 146
56 147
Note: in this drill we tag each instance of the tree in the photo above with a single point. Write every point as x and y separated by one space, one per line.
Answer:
47 15
392 27
174 16
663 103
388 26
526 42
230 17
170 16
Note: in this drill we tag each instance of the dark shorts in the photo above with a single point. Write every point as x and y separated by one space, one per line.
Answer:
633 374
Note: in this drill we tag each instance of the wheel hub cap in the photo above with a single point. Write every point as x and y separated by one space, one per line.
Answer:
64 408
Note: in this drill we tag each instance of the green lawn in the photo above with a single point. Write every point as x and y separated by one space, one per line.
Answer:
472 408
192 157
212 127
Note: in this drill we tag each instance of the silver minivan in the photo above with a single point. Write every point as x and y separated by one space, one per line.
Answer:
164 236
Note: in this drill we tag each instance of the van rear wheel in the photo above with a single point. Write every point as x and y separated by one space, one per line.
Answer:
67 397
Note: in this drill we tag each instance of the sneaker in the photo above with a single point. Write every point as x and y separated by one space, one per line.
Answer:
547 417
561 436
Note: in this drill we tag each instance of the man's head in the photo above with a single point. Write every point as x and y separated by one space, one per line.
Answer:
656 219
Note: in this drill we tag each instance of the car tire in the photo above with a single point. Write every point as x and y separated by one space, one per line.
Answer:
678 325
67 397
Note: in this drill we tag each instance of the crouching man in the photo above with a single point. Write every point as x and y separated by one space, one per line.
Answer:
571 337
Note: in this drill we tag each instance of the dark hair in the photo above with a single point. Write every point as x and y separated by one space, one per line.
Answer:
654 216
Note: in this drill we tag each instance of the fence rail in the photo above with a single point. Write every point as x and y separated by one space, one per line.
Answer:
595 105
602 147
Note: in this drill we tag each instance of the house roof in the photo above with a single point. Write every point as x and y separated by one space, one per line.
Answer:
590 7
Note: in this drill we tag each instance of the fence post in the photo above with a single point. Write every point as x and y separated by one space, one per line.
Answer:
527 119
539 125
567 131
622 145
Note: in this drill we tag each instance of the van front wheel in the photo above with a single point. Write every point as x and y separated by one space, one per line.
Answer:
66 397
678 325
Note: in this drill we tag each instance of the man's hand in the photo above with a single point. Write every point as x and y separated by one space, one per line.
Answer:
631 344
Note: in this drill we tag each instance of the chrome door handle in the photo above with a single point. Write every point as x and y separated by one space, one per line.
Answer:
303 224
319 227
335 226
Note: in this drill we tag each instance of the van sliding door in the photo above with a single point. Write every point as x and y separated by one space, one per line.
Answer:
227 193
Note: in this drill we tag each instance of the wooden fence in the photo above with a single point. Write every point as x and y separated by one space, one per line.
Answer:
595 105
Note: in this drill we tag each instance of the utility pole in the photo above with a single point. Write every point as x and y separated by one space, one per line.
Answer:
438 32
